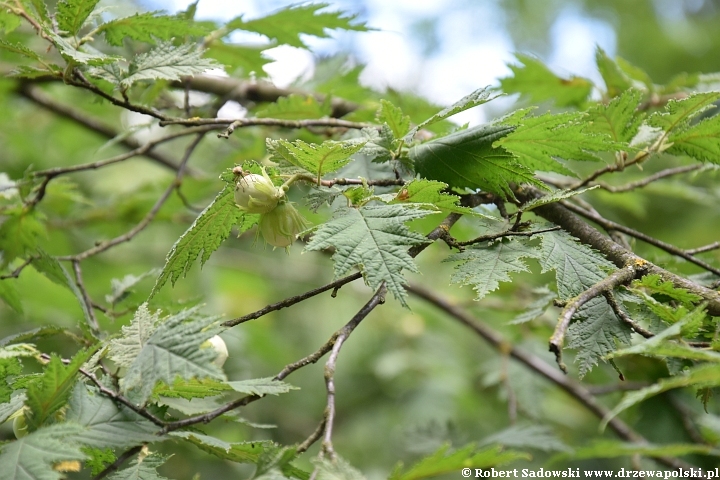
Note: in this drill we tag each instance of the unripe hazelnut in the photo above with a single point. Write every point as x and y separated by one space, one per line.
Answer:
217 344
256 193
279 227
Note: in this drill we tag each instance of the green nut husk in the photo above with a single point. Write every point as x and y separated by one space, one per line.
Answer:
280 226
257 194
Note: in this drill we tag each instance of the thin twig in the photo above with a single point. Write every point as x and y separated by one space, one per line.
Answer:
494 236
112 394
16 273
54 172
117 463
703 249
377 299
624 316
37 96
233 124
652 178
436 233
615 387
620 256
314 437
101 247
618 277
92 319
609 224
535 363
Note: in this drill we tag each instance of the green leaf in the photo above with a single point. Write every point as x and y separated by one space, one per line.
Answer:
662 345
615 449
191 388
288 23
635 73
536 81
144 468
540 437
616 81
107 424
538 142
239 60
553 197
167 62
51 268
73 55
34 457
18 48
10 295
16 402
678 113
147 27
121 288
576 265
19 235
8 22
243 452
261 386
467 159
421 191
394 118
619 119
49 393
374 239
337 469
10 368
701 376
318 159
71 14
174 349
38 9
478 97
204 236
596 334
443 461
295 107
537 307
125 349
577 268
701 141
98 460
485 266
655 285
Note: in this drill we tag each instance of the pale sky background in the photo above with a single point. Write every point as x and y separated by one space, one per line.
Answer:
468 50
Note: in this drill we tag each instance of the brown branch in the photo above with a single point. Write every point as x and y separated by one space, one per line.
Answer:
610 225
314 437
101 247
247 92
437 232
38 97
705 248
270 122
562 216
92 319
377 299
619 277
535 363
625 317
652 178
494 236
142 150
117 463
16 273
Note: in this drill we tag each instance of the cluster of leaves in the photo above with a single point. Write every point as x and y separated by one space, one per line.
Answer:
78 411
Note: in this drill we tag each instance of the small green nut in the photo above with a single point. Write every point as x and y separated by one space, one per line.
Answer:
280 226
257 194
217 344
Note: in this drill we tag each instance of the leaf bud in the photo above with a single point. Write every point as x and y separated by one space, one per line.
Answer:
279 227
256 193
